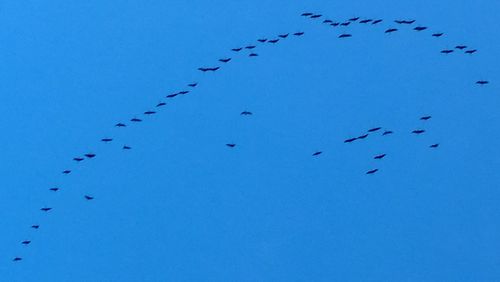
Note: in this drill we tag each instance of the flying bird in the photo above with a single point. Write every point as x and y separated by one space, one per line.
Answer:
183 92
193 84
390 30
136 120
376 21
125 147
208 69
55 189
88 198
434 145
365 21
437 34
171 95
471 51
17 259
237 49
447 51
354 19
344 35
89 155
106 140
350 140
482 82
387 132
149 112
418 131
35 226
120 124
26 242
317 153
379 157
362 136
45 209
250 47
306 14
66 171
335 24
299 33
253 55
283 35
161 104
262 40
246 113
231 145
345 24
404 21
420 28
327 21
315 16
461 47
372 171
374 129
425 117
273 41
78 159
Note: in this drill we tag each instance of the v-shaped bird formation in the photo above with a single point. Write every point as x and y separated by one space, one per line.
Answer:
394 26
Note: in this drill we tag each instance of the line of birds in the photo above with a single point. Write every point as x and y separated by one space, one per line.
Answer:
226 60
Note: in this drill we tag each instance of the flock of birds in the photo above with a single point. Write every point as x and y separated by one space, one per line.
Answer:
250 48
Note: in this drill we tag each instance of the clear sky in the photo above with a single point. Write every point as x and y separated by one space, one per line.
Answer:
182 206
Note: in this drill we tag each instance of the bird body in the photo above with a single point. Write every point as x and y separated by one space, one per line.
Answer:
376 21
250 47
236 49
372 171
35 226
447 51
344 35
89 155
262 40
161 104
105 140
387 132
231 145
379 157
283 35
25 242
149 112
78 159
253 55
125 147
193 84
45 209
317 153
299 33
374 129
208 69
391 30
273 41
418 131
437 34
55 189
434 145
425 117
136 120
482 82
461 47
246 113
362 136
471 51
17 259
365 21
350 140
66 171
88 198
420 28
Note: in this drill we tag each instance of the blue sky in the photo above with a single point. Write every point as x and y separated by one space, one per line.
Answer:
181 206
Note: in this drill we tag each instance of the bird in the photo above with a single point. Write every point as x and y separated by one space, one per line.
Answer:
246 113
262 40
317 153
88 198
236 49
345 23
471 51
419 28
161 104
66 171
344 35
365 21
350 140
379 157
447 51
120 124
89 155
362 136
482 82
273 41
17 259
372 171
125 147
387 132
250 47
390 30
461 47
404 21
316 16
437 34
55 189
208 69
376 21
418 131
374 129
78 159
45 209
193 84
253 55
327 21
149 112
354 19
35 226
299 33
106 140
171 95
283 35
231 145
306 14
183 92
425 117
136 120
335 24
434 145
25 242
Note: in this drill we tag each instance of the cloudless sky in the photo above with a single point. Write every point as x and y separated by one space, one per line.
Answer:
181 206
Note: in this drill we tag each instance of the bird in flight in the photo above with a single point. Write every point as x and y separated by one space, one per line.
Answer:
171 95
246 113
35 226
315 16
420 28
78 159
418 131
193 84
89 155
120 124
231 145
125 147
317 153
136 120
374 129
376 21
283 35
161 104
106 140
387 132
404 21
149 112
208 69
45 209
262 40
354 19
345 24
66 171
306 14
273 40
88 198
299 33
350 140
461 47
437 34
327 21
482 82
250 47
335 24
17 259
344 35
372 171
55 189
447 51
253 55
225 60
379 157
362 136
425 117
471 51
26 242
365 21
391 30
434 145
236 49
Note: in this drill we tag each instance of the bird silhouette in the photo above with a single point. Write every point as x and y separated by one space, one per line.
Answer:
374 129
161 104
283 35
250 47
315 16
447 51
136 120
379 157
420 28
17 259
317 153
345 23
66 171
404 21
335 24
208 69
461 47
125 147
376 21
434 145
237 49
362 136
120 124
246 113
88 198
354 19
253 55
482 82
425 117
262 40
26 242
106 140
193 84
391 30
45 209
350 140
344 35
78 159
418 131
365 21
299 33
89 155
171 95
372 171
387 132
35 226
55 189
327 21
437 34
273 41
231 145
306 14
471 51
149 112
